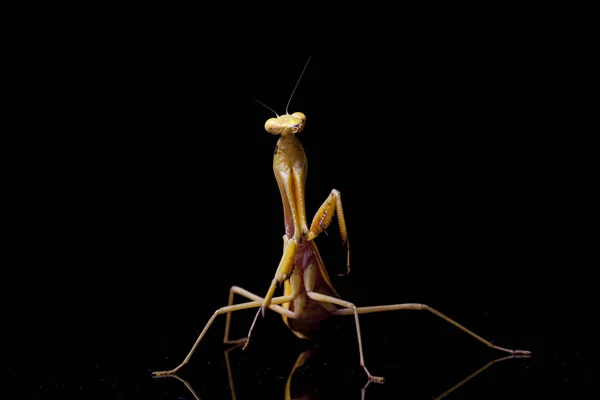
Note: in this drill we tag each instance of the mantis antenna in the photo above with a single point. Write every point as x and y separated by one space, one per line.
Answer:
261 103
291 96
297 83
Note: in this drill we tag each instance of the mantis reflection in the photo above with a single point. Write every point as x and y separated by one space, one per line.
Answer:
303 392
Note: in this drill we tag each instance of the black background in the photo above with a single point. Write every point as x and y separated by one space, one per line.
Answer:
143 190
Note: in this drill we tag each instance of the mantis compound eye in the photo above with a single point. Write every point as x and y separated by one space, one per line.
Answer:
273 126
302 120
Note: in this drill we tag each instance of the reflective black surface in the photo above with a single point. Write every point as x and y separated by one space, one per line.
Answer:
416 363
463 188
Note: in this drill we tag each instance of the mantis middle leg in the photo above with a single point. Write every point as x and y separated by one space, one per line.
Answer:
249 295
353 310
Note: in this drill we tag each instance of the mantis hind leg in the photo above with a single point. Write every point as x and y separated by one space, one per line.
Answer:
415 306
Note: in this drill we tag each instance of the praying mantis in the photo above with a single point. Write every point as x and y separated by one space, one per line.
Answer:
309 298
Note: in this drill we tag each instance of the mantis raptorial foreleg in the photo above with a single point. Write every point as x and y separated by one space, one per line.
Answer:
320 222
283 272
323 218
415 306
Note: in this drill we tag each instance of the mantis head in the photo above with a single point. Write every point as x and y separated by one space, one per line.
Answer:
286 124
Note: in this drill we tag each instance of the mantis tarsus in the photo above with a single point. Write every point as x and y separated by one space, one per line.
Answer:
309 297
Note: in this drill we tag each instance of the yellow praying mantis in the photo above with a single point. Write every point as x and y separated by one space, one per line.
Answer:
309 298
